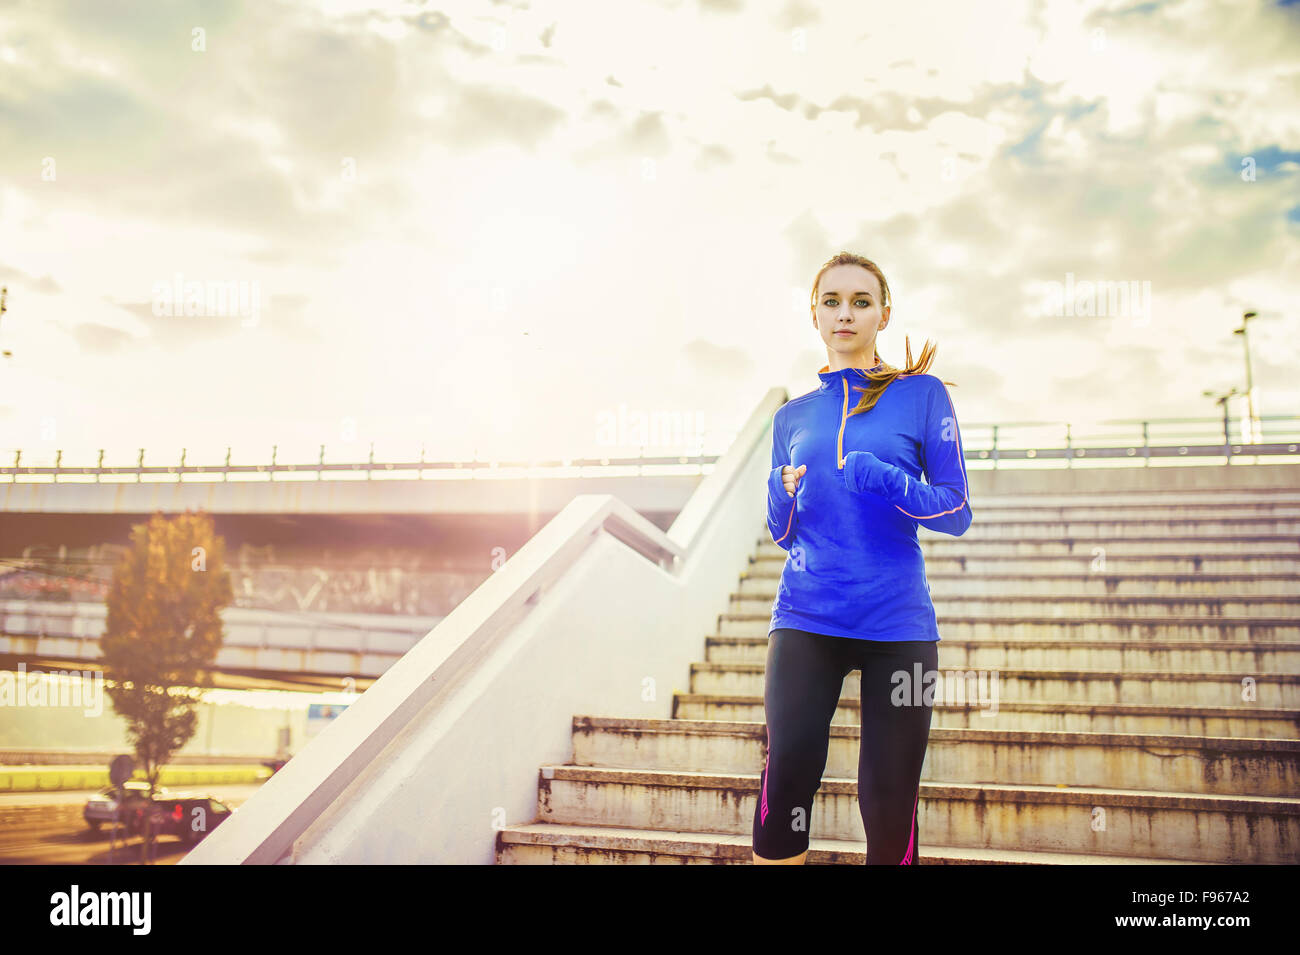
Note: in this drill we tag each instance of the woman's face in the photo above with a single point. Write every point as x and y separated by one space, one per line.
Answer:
848 313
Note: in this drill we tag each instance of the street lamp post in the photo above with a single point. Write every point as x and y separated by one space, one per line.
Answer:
1222 401
1254 434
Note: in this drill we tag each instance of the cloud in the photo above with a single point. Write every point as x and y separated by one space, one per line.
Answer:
718 361
44 285
96 339
415 189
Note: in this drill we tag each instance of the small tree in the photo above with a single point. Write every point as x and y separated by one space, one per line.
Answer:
163 632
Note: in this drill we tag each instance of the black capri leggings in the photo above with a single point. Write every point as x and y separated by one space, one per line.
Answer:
805 673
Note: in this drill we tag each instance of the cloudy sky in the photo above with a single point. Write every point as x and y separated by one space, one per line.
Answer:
491 225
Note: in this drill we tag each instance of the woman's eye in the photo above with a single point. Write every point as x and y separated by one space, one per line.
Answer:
863 303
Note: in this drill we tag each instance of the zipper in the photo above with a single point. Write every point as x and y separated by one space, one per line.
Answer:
839 447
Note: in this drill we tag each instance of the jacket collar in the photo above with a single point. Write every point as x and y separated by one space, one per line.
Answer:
831 379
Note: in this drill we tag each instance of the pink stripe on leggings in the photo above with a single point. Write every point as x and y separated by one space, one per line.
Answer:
911 840
763 817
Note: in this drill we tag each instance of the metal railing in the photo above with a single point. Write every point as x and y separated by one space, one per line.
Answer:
1004 442
223 472
1131 438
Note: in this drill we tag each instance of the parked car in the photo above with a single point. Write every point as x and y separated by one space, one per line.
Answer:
99 807
178 814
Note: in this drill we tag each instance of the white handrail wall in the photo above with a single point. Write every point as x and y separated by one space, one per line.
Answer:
444 748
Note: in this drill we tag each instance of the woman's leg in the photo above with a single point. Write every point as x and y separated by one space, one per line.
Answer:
895 732
801 688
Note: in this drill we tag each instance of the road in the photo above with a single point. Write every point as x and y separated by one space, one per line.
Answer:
48 829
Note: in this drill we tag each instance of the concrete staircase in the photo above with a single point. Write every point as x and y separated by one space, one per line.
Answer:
1147 647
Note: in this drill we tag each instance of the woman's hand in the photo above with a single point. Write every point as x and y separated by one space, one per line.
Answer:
790 477
865 473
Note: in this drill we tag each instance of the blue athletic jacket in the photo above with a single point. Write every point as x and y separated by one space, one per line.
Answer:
854 567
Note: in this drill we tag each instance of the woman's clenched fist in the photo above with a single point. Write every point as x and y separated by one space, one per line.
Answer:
790 477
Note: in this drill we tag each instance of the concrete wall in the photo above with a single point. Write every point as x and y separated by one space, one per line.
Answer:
1109 477
224 729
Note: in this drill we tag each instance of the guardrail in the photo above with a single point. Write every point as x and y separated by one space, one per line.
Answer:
222 472
1014 441
999 443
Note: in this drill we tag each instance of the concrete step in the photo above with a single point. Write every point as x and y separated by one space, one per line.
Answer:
1149 510
1220 527
542 843
985 688
1115 640
1246 630
1066 654
940 545
1216 765
1053 606
1242 829
1050 716
761 585
1271 566
1211 498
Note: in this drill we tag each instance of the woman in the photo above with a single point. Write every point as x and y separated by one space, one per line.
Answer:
844 497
